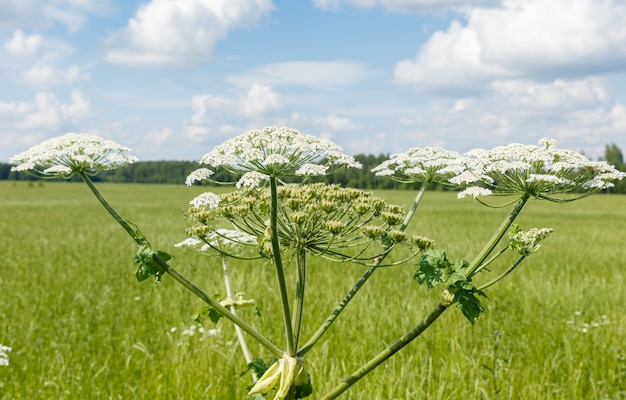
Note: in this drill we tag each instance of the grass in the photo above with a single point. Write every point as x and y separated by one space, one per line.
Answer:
81 327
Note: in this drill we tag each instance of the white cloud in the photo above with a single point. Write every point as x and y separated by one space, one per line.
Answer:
180 31
22 46
523 39
47 76
557 95
313 74
35 61
223 115
157 136
335 123
579 114
25 124
260 100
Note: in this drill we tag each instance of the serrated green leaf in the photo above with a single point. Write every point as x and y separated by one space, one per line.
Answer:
468 303
433 268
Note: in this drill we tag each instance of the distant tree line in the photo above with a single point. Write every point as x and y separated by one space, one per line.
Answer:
175 172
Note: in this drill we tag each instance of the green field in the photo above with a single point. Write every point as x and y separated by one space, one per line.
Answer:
82 327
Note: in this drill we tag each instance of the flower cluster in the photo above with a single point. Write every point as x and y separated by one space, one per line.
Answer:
538 171
527 242
272 151
4 355
328 220
220 241
72 153
428 164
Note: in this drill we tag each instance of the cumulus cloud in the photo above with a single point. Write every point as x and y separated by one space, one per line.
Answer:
25 124
223 115
530 39
334 123
35 61
578 113
312 74
180 31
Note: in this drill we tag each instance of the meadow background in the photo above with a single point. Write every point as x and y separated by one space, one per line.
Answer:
82 327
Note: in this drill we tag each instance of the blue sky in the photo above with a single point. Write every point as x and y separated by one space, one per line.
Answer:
173 78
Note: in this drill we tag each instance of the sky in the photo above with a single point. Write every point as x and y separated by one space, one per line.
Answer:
171 79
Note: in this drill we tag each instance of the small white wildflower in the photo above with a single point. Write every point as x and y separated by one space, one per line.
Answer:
207 199
71 153
198 176
4 355
251 179
474 191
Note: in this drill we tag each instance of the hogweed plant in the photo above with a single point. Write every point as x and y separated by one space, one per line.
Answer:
266 220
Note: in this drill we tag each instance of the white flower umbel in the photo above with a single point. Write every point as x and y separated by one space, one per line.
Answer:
428 164
542 172
207 200
275 152
221 241
72 153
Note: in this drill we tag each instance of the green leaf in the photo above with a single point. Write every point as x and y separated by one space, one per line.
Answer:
432 268
303 386
214 315
468 303
146 266
258 366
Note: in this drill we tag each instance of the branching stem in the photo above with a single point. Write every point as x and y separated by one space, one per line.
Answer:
140 240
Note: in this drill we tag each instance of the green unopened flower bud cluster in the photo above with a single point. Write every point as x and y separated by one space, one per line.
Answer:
320 218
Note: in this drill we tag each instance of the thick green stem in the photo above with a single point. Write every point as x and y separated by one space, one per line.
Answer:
416 202
360 282
140 240
497 236
387 353
299 302
278 264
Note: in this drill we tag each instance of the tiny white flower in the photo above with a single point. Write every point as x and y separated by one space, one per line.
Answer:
475 192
